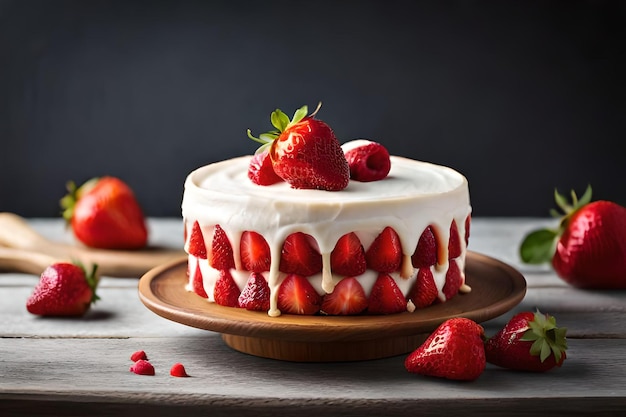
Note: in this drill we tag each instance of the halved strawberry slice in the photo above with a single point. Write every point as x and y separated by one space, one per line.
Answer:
256 294
197 247
221 256
385 252
386 297
348 298
454 280
299 256
426 251
454 244
296 295
226 292
197 282
348 257
424 291
260 170
254 252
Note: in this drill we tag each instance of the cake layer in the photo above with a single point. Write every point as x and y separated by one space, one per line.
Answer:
412 197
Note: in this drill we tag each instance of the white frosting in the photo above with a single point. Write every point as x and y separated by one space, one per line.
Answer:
413 196
353 144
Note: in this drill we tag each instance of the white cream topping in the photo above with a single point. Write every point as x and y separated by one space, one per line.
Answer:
413 196
353 144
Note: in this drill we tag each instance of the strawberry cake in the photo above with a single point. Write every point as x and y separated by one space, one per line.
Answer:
308 226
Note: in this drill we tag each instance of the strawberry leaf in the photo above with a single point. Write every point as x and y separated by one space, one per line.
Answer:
269 136
562 202
545 351
263 148
547 338
74 193
555 213
538 246
300 114
280 120
570 209
586 198
576 204
92 278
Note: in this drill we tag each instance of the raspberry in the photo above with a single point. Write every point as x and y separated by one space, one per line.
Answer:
142 367
140 354
368 162
178 370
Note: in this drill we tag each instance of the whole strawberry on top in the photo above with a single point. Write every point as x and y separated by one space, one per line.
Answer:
528 342
64 289
588 249
304 151
104 213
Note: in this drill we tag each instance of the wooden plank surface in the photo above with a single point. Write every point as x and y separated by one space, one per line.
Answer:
81 366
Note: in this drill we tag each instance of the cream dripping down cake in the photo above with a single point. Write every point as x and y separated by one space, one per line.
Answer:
308 226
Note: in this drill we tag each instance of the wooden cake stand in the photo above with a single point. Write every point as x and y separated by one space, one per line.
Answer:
496 288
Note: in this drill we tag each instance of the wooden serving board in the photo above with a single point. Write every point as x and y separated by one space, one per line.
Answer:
22 249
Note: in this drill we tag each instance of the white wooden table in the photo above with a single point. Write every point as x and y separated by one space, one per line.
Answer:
81 367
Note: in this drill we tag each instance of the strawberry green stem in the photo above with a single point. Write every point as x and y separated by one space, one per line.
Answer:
91 277
74 193
93 280
539 246
570 209
547 338
281 122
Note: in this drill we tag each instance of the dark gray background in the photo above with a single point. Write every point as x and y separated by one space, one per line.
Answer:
520 96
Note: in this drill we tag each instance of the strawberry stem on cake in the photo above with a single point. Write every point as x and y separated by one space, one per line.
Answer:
281 122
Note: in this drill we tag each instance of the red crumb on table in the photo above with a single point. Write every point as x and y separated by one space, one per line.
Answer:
142 367
178 370
140 354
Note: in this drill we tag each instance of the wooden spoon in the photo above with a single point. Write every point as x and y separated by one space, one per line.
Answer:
23 249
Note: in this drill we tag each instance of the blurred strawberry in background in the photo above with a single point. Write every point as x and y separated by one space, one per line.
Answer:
104 213
588 249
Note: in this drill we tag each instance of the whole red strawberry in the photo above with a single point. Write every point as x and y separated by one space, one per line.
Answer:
104 213
528 342
305 152
588 250
455 350
64 289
